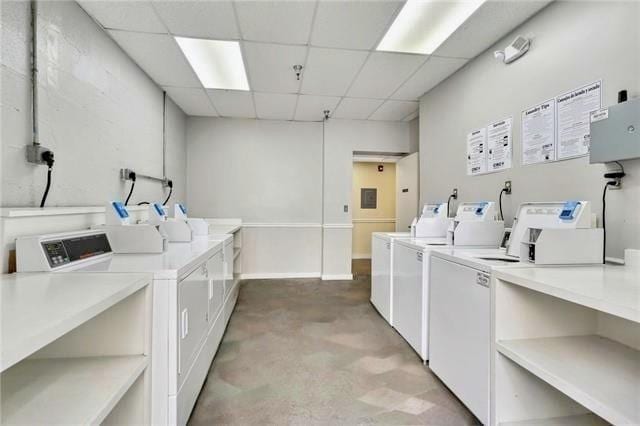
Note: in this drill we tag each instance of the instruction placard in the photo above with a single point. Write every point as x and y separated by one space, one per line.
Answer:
538 133
477 152
499 143
574 113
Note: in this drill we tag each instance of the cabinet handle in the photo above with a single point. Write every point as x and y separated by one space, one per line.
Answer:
184 329
210 289
419 256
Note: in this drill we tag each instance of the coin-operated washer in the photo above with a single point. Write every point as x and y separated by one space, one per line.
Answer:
549 233
177 230
475 225
127 237
199 226
190 308
432 223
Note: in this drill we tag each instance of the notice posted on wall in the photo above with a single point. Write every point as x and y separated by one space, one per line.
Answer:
538 133
499 144
574 114
477 152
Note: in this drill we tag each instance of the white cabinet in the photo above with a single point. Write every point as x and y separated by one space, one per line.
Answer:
381 276
228 266
408 296
216 281
459 332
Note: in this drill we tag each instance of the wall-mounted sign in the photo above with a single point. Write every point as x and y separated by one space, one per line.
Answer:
539 133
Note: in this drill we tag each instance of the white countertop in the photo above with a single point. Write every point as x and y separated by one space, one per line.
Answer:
38 308
612 289
223 228
422 243
179 260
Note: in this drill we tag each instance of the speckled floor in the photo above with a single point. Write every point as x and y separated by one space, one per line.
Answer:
311 352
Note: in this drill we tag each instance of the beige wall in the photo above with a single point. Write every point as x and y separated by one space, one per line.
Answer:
366 221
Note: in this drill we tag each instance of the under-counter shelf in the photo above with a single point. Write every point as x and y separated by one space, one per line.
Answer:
598 373
577 420
67 390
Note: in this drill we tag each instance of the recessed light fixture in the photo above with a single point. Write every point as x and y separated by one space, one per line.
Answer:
218 64
423 25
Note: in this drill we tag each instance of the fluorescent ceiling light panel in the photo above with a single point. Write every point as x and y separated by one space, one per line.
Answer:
218 64
423 25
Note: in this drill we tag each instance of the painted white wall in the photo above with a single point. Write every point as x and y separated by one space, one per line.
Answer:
270 172
574 43
99 112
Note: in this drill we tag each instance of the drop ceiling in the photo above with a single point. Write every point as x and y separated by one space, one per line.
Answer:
334 40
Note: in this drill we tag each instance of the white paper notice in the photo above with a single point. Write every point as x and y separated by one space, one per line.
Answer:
574 113
538 133
477 152
499 142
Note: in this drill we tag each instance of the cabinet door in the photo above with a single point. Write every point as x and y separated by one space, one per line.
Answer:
215 270
380 277
193 312
228 267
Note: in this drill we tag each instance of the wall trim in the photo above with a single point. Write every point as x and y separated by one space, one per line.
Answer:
382 220
337 225
281 225
279 275
361 256
337 277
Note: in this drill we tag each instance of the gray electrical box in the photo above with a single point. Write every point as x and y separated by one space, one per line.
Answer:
615 133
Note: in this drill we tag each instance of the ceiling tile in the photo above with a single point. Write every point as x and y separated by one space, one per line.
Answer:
124 15
394 110
356 108
232 103
428 76
276 21
331 71
270 66
191 101
159 56
486 26
204 19
275 106
352 24
383 73
311 108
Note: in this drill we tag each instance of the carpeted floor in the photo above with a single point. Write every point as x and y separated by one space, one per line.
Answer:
311 352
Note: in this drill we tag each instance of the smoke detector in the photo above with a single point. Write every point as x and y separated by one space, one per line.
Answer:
298 70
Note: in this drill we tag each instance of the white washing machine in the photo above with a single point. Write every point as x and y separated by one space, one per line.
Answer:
460 302
381 271
410 292
189 304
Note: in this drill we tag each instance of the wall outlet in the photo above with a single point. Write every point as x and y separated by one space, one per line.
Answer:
507 186
346 208
454 193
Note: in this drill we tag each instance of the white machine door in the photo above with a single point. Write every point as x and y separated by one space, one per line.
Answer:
380 276
193 312
459 332
215 274
407 295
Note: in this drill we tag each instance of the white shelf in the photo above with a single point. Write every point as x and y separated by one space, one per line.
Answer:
39 308
578 420
67 390
612 289
598 373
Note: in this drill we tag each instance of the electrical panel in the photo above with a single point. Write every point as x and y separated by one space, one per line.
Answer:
615 133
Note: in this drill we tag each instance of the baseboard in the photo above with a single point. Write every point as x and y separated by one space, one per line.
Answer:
361 256
279 275
337 277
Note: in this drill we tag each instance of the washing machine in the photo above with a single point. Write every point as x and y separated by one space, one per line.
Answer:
460 301
381 271
189 302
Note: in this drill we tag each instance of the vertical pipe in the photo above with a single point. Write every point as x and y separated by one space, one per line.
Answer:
164 134
34 72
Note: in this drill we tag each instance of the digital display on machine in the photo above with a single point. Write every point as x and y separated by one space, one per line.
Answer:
120 209
62 252
569 210
159 209
480 208
182 208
